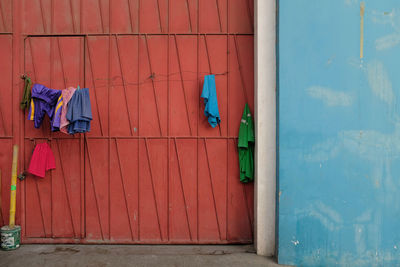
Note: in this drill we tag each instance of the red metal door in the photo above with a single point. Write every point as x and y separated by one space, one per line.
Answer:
151 170
53 205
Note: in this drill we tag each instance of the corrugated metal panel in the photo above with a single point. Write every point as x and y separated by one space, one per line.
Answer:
151 170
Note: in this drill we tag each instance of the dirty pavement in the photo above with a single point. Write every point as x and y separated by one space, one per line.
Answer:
134 255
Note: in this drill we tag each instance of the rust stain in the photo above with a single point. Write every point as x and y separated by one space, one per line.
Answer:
362 11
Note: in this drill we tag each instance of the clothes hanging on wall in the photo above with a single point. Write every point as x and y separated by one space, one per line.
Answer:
209 94
69 110
57 114
45 101
246 146
26 97
42 160
79 112
67 95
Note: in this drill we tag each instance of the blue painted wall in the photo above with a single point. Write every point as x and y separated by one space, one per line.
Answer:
339 133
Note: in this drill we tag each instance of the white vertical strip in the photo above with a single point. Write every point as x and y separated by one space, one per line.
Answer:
265 125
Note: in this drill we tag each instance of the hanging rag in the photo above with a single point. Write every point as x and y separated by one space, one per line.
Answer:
79 112
42 160
55 126
246 146
210 101
67 95
45 101
26 98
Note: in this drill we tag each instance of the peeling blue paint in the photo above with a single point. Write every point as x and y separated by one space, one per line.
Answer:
339 133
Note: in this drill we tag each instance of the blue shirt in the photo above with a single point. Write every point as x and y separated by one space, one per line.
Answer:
79 112
210 100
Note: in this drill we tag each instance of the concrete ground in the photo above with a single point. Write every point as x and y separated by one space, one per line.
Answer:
134 255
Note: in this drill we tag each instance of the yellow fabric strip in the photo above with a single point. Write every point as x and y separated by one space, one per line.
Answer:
32 109
58 107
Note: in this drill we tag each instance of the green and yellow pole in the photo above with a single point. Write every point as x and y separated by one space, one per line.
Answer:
11 234
13 194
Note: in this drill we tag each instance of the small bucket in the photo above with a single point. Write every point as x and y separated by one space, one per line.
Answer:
10 237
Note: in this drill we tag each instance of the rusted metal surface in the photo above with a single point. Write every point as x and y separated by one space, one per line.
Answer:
151 170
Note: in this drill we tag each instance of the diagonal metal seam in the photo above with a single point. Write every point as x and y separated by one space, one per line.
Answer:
208 55
124 190
130 14
43 19
183 86
52 213
52 16
183 191
1 215
62 62
212 189
168 209
94 87
219 16
66 189
2 16
227 122
209 66
124 85
51 40
3 122
82 187
80 16
240 70
152 82
153 188
159 16
34 72
197 118
247 204
94 189
33 61
72 16
190 20
101 15
41 208
138 122
250 15
108 126
1 194
138 19
248 212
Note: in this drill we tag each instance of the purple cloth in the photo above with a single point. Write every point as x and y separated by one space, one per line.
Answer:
44 101
57 114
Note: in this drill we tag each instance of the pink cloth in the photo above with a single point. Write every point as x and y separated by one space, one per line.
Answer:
67 95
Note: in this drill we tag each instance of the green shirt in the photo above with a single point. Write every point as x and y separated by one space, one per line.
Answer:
246 146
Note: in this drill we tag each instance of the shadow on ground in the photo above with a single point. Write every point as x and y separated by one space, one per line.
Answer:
134 255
